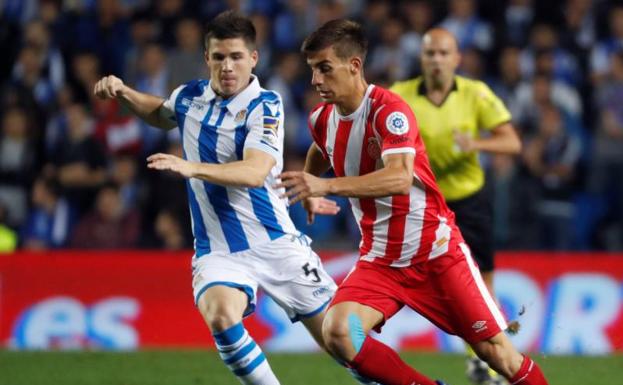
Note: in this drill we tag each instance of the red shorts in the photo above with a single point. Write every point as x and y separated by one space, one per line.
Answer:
448 291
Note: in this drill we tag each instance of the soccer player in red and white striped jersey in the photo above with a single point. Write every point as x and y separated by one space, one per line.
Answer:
412 252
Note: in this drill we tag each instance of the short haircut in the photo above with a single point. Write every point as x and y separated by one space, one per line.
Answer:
346 36
230 25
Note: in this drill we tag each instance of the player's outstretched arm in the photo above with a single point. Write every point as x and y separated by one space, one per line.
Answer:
145 106
249 172
395 178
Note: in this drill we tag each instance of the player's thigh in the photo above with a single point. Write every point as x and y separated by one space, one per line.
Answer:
459 301
313 325
223 285
370 294
294 277
474 217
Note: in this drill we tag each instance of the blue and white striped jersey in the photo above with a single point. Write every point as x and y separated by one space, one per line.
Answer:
217 130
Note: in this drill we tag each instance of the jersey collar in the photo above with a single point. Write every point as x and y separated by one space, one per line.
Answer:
240 101
422 90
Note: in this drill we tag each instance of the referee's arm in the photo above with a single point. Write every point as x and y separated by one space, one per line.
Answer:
503 140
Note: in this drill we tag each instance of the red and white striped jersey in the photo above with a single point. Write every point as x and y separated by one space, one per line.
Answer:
398 230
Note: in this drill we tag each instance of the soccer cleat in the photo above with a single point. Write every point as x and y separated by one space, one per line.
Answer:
440 382
478 371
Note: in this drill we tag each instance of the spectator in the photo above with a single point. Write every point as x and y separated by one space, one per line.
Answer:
143 30
606 168
50 219
153 78
79 162
18 164
601 53
551 156
187 56
518 18
108 225
419 18
463 22
168 230
564 66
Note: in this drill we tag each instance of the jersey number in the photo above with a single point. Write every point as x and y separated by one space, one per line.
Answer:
309 271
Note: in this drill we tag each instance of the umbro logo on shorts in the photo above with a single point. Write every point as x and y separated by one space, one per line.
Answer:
479 326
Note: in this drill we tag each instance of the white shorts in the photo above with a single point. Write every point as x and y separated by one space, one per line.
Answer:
287 269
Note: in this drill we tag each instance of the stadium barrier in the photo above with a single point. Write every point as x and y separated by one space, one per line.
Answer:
566 303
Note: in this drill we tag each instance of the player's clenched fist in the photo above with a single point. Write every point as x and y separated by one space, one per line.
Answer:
109 87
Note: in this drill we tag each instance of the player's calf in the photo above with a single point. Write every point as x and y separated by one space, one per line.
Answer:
502 356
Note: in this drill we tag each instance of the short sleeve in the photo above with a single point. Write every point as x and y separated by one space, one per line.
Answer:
397 127
491 110
167 110
265 128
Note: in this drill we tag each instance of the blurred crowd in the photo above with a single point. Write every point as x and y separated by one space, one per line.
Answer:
72 167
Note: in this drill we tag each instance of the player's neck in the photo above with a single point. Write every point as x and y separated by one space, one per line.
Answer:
353 100
434 87
438 91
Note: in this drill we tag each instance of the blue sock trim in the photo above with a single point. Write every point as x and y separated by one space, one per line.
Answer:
251 367
299 317
357 336
229 336
241 353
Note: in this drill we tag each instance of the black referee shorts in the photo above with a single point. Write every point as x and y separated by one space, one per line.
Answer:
474 216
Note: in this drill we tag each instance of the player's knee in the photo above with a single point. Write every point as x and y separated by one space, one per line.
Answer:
219 316
343 336
335 334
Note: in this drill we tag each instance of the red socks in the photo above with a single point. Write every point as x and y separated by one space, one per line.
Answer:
528 374
379 362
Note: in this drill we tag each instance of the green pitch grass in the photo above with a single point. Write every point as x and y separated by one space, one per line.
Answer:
205 368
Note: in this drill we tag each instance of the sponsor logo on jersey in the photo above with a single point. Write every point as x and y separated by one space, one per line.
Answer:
190 103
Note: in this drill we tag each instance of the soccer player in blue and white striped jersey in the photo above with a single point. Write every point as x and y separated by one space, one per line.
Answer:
232 136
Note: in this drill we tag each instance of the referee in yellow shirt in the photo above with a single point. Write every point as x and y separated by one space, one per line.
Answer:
452 113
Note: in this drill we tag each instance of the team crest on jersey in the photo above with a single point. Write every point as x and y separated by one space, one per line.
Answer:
240 116
374 149
397 123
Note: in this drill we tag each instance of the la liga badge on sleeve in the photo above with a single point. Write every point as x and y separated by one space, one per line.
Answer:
397 123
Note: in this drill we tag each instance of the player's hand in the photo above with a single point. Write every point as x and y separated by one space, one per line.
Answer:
300 185
464 141
320 206
171 163
109 87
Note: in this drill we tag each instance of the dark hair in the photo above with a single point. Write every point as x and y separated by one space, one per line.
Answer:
230 25
346 36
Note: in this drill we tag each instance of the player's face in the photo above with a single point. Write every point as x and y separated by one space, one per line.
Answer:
332 77
230 62
440 57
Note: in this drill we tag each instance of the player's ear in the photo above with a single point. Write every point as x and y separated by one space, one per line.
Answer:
254 57
356 65
457 61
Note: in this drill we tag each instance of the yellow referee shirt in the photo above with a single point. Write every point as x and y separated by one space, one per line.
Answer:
470 106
